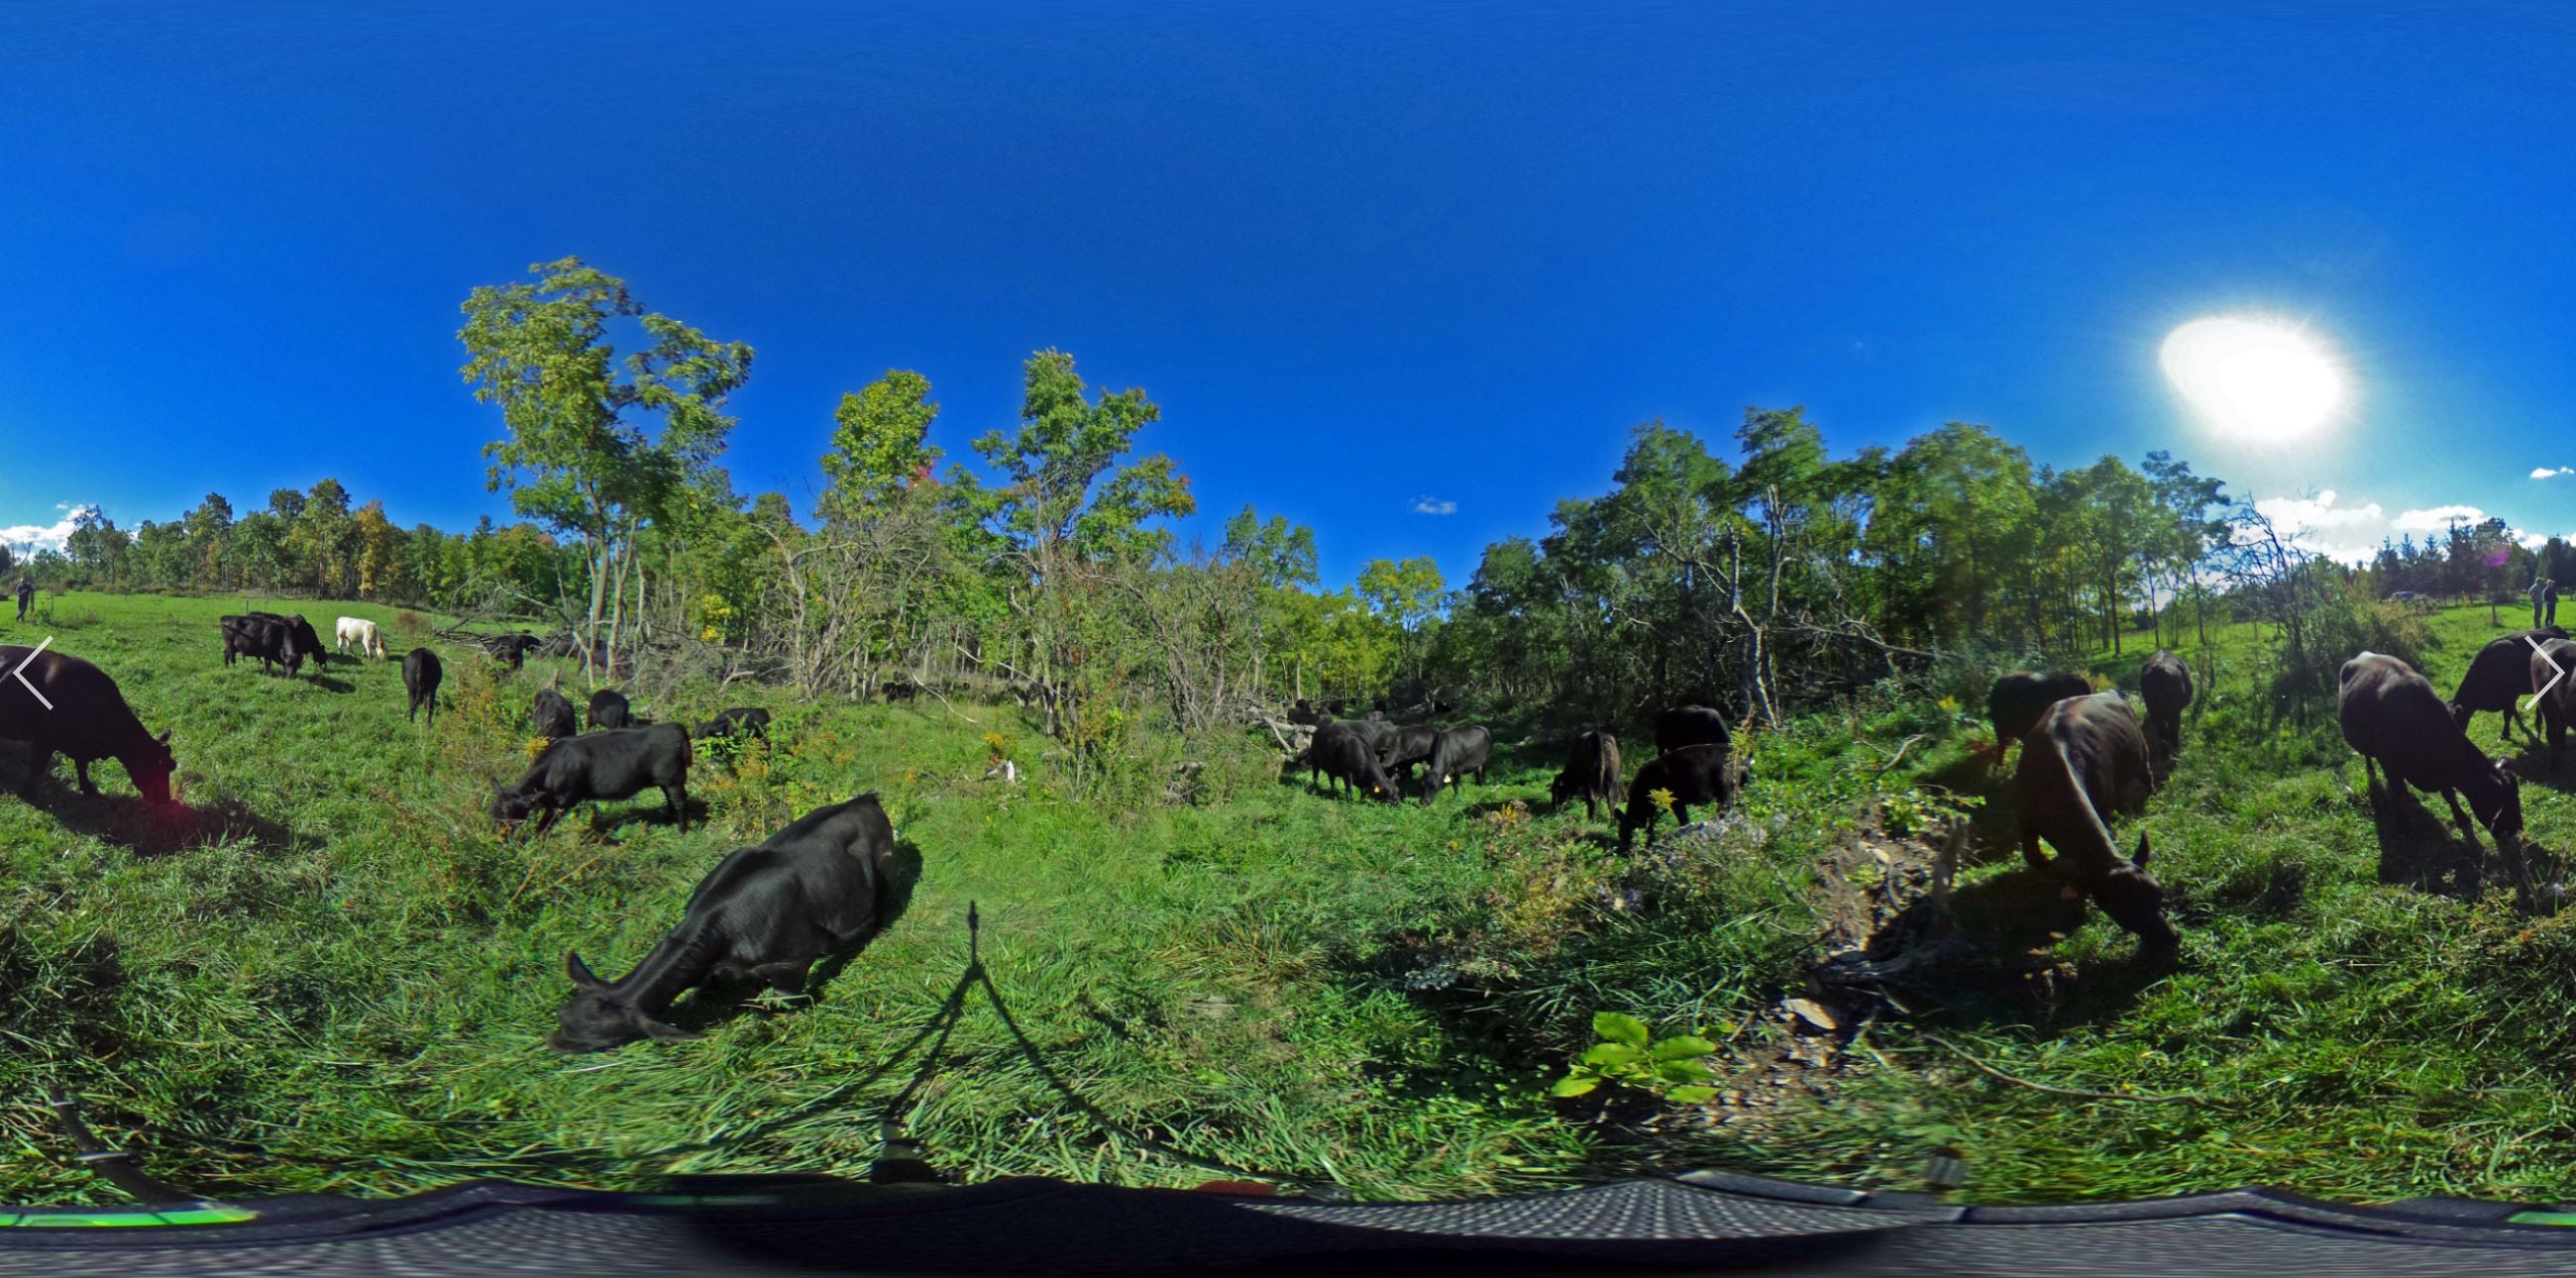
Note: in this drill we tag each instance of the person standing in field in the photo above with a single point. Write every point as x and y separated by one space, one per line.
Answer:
2549 595
2539 591
26 597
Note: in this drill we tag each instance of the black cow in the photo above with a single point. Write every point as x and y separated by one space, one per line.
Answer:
511 649
271 639
2393 719
2084 759
2166 684
749 721
1375 732
1591 771
608 709
2554 668
421 676
1459 751
1689 726
1344 756
89 721
306 638
2499 678
1692 774
764 913
1304 714
600 765
2017 700
1406 747
552 716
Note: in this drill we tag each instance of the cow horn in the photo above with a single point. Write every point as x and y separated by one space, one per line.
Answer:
580 972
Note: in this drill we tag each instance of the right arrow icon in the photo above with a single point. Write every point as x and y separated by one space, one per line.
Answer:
2553 664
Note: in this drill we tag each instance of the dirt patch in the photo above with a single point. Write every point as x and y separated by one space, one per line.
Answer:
1896 937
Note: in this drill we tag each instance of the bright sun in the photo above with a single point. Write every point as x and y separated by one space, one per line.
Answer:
2258 381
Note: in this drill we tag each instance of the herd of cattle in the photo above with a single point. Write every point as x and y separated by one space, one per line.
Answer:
765 913
768 912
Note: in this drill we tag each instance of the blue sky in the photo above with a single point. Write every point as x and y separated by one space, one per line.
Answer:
1363 255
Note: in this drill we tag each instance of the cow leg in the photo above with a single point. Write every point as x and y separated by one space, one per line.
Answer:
546 820
40 764
678 797
2468 831
1681 814
80 769
2030 851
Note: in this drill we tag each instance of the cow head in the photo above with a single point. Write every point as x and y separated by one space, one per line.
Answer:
510 807
2507 819
1562 788
597 1017
2137 904
150 765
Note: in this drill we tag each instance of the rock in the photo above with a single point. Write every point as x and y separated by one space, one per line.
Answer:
1807 1010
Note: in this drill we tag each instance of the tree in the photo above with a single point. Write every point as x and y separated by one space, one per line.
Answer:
1065 508
577 455
879 443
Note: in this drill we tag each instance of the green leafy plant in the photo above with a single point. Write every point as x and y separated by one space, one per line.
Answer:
1629 1056
1911 811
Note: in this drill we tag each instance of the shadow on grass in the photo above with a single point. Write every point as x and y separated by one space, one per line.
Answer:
148 831
715 1002
604 822
2428 853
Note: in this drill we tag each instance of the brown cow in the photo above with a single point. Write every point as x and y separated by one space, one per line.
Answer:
2393 719
2086 758
1591 771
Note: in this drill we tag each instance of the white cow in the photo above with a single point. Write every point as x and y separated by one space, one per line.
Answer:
362 632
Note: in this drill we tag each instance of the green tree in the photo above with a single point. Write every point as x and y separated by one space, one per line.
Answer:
577 454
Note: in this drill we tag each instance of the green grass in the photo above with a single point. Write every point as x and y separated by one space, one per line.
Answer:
334 976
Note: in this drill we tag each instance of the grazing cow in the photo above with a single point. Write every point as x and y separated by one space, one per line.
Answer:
421 676
2166 684
1406 747
552 716
1592 771
1459 751
1375 732
362 633
1304 714
608 709
615 764
89 721
748 721
2017 700
272 639
2084 759
2393 719
511 649
1692 774
1690 726
302 630
2554 668
1344 756
2499 678
763 913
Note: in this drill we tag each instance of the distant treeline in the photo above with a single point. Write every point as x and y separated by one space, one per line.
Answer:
1782 575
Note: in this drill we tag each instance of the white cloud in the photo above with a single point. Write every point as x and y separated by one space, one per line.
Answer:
1434 506
2437 519
2304 514
2546 472
31 537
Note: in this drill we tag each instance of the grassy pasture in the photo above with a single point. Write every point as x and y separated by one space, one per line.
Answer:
332 975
